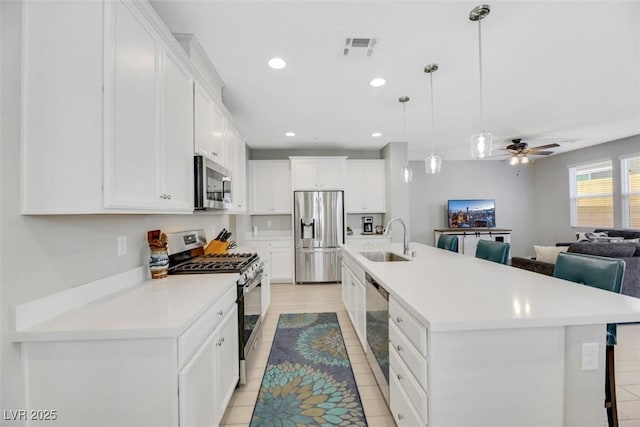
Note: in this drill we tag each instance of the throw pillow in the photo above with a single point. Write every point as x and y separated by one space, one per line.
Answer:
611 250
548 253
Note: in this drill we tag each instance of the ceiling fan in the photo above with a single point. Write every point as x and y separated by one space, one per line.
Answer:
520 151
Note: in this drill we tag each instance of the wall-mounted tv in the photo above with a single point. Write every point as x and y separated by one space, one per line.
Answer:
471 213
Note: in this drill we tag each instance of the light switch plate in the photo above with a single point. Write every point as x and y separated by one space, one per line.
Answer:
122 245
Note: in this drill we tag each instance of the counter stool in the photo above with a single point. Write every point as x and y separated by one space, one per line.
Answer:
493 251
604 273
448 242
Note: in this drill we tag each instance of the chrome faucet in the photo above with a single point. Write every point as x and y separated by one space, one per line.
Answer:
405 242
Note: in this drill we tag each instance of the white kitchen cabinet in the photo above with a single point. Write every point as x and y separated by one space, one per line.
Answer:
265 283
408 367
218 132
365 189
161 354
210 127
318 173
208 380
280 256
354 297
468 239
270 187
102 134
177 121
237 163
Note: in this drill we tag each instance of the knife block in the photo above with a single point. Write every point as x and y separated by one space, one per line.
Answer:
216 247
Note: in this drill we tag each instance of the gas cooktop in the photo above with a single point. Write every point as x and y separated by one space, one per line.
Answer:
215 263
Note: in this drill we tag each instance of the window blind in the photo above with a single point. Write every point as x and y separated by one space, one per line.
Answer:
592 195
630 167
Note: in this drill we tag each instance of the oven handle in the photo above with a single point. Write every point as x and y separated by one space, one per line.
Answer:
254 284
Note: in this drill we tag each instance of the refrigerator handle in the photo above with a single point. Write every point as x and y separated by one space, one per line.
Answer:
308 229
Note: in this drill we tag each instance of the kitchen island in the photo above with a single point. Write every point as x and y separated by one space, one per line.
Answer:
476 343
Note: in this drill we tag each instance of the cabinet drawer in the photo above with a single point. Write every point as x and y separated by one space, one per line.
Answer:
406 380
401 409
407 352
191 339
415 331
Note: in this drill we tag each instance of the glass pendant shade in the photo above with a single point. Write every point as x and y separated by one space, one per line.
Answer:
524 160
433 164
481 145
407 173
514 161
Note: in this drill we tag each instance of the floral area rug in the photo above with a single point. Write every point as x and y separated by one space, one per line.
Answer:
308 380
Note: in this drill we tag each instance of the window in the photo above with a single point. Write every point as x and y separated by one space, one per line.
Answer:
591 195
630 167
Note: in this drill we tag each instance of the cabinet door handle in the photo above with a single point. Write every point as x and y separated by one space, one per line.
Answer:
400 417
220 313
398 319
400 377
398 348
169 196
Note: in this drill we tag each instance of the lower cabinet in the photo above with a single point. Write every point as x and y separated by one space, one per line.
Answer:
354 298
133 381
280 257
207 381
408 367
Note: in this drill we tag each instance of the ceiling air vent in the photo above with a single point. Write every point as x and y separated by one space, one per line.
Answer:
359 46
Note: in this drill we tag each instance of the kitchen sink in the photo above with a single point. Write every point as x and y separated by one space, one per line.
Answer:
383 256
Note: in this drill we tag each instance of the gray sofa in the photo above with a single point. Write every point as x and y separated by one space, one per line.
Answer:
629 252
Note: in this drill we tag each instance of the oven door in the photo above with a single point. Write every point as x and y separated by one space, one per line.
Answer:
249 321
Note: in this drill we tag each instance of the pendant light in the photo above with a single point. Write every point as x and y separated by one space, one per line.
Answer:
432 163
482 141
407 173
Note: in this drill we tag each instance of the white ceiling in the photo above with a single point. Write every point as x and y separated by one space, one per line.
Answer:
554 71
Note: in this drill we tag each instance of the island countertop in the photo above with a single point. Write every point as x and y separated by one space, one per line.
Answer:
449 291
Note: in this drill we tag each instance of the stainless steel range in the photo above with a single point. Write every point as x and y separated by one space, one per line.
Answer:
186 256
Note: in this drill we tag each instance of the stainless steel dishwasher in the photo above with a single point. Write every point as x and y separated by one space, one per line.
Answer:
377 320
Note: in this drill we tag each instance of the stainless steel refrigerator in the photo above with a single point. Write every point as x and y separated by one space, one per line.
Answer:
318 233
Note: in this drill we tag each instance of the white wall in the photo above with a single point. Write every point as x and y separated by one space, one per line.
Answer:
397 191
42 255
551 188
511 187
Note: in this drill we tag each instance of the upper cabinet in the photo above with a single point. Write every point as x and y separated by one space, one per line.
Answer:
110 138
318 173
270 183
236 151
365 192
112 125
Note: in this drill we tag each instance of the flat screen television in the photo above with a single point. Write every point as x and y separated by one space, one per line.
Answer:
471 213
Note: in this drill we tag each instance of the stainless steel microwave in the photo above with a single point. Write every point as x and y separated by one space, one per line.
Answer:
212 185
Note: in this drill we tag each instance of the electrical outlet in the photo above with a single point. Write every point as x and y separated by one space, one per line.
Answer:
269 223
122 245
590 352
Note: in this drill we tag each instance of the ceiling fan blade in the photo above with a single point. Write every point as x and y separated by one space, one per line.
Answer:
542 147
540 153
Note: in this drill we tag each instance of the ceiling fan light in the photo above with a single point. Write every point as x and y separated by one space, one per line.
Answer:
433 164
407 173
481 145
514 160
524 160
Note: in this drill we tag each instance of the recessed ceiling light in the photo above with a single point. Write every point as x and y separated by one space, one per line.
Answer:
376 134
290 134
277 63
377 82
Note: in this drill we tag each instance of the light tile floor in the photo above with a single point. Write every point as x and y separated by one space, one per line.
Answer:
286 298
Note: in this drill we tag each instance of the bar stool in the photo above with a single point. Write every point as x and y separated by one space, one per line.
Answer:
448 242
493 251
604 273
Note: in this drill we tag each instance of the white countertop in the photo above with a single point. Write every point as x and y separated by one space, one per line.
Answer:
151 309
450 291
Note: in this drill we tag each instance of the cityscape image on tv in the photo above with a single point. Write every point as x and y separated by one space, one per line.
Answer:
471 213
